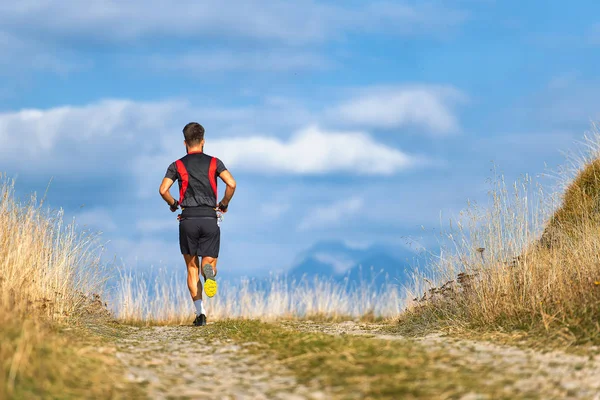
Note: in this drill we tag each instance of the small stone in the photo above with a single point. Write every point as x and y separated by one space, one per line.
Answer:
474 396
317 396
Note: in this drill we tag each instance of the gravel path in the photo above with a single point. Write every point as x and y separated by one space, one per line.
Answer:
173 364
551 374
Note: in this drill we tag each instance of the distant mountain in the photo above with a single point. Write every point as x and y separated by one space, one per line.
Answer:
312 266
333 259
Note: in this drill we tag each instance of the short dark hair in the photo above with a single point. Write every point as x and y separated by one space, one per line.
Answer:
193 133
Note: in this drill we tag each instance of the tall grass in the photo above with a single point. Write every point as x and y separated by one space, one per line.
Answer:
521 263
48 275
165 299
46 266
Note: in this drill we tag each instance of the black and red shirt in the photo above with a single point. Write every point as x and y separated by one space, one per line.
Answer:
197 176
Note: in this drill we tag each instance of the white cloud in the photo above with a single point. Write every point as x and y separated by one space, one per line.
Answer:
225 61
340 262
279 31
121 138
301 21
127 21
314 151
311 151
429 107
40 130
332 214
109 135
93 138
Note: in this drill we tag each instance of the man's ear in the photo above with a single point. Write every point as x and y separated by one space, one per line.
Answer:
202 143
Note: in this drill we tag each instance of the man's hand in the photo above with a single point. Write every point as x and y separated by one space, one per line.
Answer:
230 182
164 193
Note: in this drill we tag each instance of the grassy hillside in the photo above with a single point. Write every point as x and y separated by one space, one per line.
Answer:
50 281
521 265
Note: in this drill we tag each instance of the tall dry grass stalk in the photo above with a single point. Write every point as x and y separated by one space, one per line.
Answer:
46 266
48 271
521 263
165 299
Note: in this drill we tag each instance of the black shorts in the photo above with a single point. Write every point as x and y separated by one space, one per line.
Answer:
200 237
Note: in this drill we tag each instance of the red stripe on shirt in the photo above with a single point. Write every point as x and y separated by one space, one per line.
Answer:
212 176
185 180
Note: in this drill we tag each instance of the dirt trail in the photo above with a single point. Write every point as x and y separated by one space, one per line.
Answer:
173 363
552 374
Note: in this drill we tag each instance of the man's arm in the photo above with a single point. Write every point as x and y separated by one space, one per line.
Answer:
165 187
229 191
165 193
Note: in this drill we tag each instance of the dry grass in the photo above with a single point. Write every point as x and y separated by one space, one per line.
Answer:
519 265
165 299
46 267
50 276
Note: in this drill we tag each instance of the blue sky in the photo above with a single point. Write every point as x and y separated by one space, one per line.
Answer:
352 121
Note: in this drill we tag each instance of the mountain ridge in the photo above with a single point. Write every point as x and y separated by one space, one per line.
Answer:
338 261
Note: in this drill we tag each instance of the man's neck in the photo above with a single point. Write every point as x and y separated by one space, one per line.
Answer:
195 149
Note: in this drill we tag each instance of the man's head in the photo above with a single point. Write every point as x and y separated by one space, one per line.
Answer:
194 135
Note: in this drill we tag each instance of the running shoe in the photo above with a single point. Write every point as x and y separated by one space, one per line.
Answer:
210 284
200 320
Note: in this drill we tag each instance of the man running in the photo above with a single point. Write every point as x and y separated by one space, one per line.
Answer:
199 232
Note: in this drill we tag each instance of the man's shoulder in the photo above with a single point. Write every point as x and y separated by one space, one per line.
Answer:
203 157
194 155
208 156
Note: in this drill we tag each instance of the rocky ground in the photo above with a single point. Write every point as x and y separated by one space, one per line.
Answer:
174 362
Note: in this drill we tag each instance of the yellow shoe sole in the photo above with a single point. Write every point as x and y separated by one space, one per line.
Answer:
210 287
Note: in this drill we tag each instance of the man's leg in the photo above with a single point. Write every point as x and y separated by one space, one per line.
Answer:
195 287
208 248
193 278
209 271
209 260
